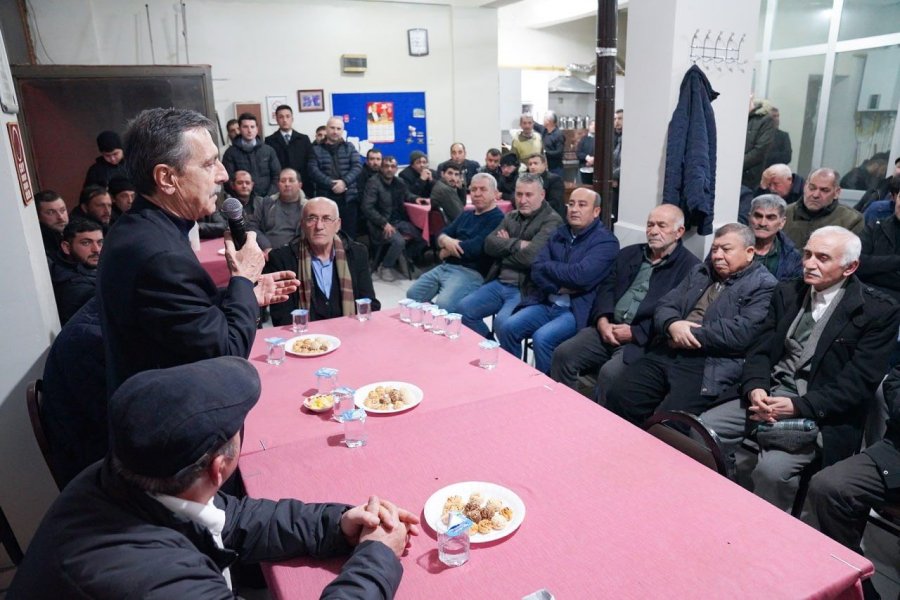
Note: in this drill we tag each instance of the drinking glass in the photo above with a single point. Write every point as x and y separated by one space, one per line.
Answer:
453 540
404 309
299 320
489 354
453 325
364 309
275 351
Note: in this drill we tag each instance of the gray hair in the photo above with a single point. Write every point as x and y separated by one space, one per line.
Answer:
530 178
180 481
835 176
851 242
156 137
552 116
677 213
769 202
491 182
779 169
744 232
327 201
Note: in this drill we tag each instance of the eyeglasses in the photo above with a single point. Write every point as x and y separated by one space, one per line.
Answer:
311 219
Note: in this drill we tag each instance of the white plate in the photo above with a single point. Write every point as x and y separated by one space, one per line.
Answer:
434 506
333 344
359 398
221 251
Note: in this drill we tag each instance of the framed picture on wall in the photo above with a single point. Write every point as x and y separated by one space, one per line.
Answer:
273 102
311 100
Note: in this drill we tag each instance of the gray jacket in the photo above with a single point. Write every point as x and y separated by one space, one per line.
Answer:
731 324
535 228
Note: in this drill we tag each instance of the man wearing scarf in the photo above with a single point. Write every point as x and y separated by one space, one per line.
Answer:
333 270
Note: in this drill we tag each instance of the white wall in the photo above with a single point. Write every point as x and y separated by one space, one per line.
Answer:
29 323
659 40
276 47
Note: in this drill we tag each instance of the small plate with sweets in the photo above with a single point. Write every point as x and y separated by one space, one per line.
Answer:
495 511
311 344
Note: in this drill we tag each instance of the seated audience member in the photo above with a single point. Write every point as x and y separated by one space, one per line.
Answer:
467 168
565 273
621 323
109 164
585 154
462 250
241 187
703 330
820 207
249 153
773 249
554 188
276 218
384 210
776 179
878 202
371 168
528 141
95 205
73 396
74 275
444 194
292 148
841 495
879 264
812 371
492 163
513 246
333 269
121 191
53 216
509 174
418 178
150 519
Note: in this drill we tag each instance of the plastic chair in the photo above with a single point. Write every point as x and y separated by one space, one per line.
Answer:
36 416
707 450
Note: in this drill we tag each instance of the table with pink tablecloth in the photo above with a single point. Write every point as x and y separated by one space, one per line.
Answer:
418 214
611 512
381 349
213 262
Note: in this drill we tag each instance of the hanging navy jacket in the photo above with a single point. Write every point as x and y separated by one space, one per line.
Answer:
690 181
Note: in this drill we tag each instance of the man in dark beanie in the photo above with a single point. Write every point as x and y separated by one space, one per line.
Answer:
509 174
122 193
109 164
149 520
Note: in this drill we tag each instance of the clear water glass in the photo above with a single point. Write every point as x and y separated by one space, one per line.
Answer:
427 316
343 402
275 351
354 428
326 380
364 309
404 309
488 354
299 320
453 540
415 314
452 325
439 324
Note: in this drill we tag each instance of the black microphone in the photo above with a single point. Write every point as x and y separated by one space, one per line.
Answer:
234 212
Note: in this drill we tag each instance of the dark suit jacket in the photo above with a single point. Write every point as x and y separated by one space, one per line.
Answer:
663 279
295 155
886 453
158 306
849 362
879 264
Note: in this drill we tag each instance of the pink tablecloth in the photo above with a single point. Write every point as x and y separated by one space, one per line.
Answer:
611 511
382 349
418 215
213 262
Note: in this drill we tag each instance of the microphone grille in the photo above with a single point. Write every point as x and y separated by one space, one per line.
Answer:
233 208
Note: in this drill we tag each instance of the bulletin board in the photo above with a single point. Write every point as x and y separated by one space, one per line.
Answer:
393 122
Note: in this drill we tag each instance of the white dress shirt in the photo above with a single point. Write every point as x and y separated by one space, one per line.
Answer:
822 300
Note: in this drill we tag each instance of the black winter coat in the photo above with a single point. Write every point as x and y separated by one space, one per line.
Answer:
330 163
260 161
295 155
879 264
73 285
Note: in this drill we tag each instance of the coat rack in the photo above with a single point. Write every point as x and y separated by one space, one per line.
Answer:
717 51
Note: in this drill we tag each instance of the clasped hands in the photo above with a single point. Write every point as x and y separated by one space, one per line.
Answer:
681 336
768 409
381 521
249 261
614 334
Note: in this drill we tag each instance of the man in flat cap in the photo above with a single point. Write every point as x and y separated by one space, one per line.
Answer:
159 307
149 520
109 164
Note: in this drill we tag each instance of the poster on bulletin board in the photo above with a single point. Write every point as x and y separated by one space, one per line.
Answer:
393 122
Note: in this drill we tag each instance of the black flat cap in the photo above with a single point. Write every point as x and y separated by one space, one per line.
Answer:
119 184
509 159
164 420
108 141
